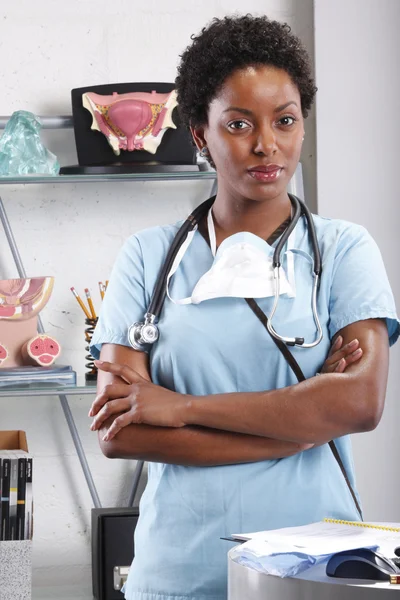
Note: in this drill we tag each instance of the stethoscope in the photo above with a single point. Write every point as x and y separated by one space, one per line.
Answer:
143 334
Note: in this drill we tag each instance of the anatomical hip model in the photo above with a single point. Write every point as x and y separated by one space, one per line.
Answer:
133 121
21 300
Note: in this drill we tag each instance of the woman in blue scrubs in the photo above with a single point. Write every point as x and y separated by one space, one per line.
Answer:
234 442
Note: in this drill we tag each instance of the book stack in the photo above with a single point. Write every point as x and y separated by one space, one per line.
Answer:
16 495
15 516
24 377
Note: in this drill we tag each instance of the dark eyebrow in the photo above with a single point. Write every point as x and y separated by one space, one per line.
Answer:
283 106
248 113
244 111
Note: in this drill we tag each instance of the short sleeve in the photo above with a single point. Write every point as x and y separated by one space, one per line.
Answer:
125 299
360 288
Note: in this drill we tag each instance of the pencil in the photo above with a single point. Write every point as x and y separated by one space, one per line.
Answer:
106 283
83 307
89 299
101 287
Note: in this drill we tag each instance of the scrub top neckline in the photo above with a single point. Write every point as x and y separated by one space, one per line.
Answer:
270 241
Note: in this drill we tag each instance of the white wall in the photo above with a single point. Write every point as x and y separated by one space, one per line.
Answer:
75 231
357 47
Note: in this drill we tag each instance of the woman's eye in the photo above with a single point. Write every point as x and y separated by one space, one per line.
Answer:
287 121
238 125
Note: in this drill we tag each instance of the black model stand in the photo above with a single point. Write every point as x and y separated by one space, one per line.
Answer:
112 550
125 169
176 151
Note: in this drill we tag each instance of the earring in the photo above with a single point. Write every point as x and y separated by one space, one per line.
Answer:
204 152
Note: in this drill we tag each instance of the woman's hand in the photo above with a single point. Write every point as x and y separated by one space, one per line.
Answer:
339 358
138 399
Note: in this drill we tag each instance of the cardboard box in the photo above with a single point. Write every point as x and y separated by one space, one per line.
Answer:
13 440
16 556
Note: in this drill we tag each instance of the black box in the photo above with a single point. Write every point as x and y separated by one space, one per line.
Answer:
112 546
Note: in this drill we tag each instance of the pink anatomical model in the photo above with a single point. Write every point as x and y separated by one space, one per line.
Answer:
21 300
133 121
42 350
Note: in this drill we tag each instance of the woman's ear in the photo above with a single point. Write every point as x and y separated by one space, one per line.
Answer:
198 137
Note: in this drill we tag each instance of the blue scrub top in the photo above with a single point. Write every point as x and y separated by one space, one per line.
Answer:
220 346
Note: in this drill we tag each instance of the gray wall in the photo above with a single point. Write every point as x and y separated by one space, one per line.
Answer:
357 49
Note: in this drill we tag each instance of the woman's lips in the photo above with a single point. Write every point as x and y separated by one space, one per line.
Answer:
266 175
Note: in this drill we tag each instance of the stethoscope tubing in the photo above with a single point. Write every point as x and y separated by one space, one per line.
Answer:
285 236
299 207
314 240
160 290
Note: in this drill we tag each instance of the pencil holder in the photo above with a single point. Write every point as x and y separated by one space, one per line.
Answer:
91 369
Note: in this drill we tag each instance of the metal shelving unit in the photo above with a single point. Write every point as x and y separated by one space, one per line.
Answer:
62 122
47 390
57 179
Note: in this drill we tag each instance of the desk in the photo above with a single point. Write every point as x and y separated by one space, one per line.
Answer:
246 584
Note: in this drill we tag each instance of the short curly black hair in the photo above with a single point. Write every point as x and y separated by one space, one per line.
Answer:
232 43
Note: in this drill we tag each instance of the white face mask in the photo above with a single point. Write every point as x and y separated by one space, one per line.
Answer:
242 268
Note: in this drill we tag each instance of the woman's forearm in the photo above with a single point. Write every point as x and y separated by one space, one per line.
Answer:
313 411
193 446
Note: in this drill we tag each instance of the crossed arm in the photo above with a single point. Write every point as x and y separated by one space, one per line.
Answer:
143 421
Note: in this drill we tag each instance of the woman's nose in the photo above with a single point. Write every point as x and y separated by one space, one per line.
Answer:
265 141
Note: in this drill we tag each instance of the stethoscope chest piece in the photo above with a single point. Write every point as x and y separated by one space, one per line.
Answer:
143 334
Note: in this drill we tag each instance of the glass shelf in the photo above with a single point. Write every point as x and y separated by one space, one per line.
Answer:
55 179
49 389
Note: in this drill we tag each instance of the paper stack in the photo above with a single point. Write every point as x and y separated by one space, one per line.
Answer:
289 551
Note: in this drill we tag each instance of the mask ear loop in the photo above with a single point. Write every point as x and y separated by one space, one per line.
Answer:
176 263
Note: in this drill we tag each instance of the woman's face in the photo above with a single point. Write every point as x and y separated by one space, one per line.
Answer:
254 132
